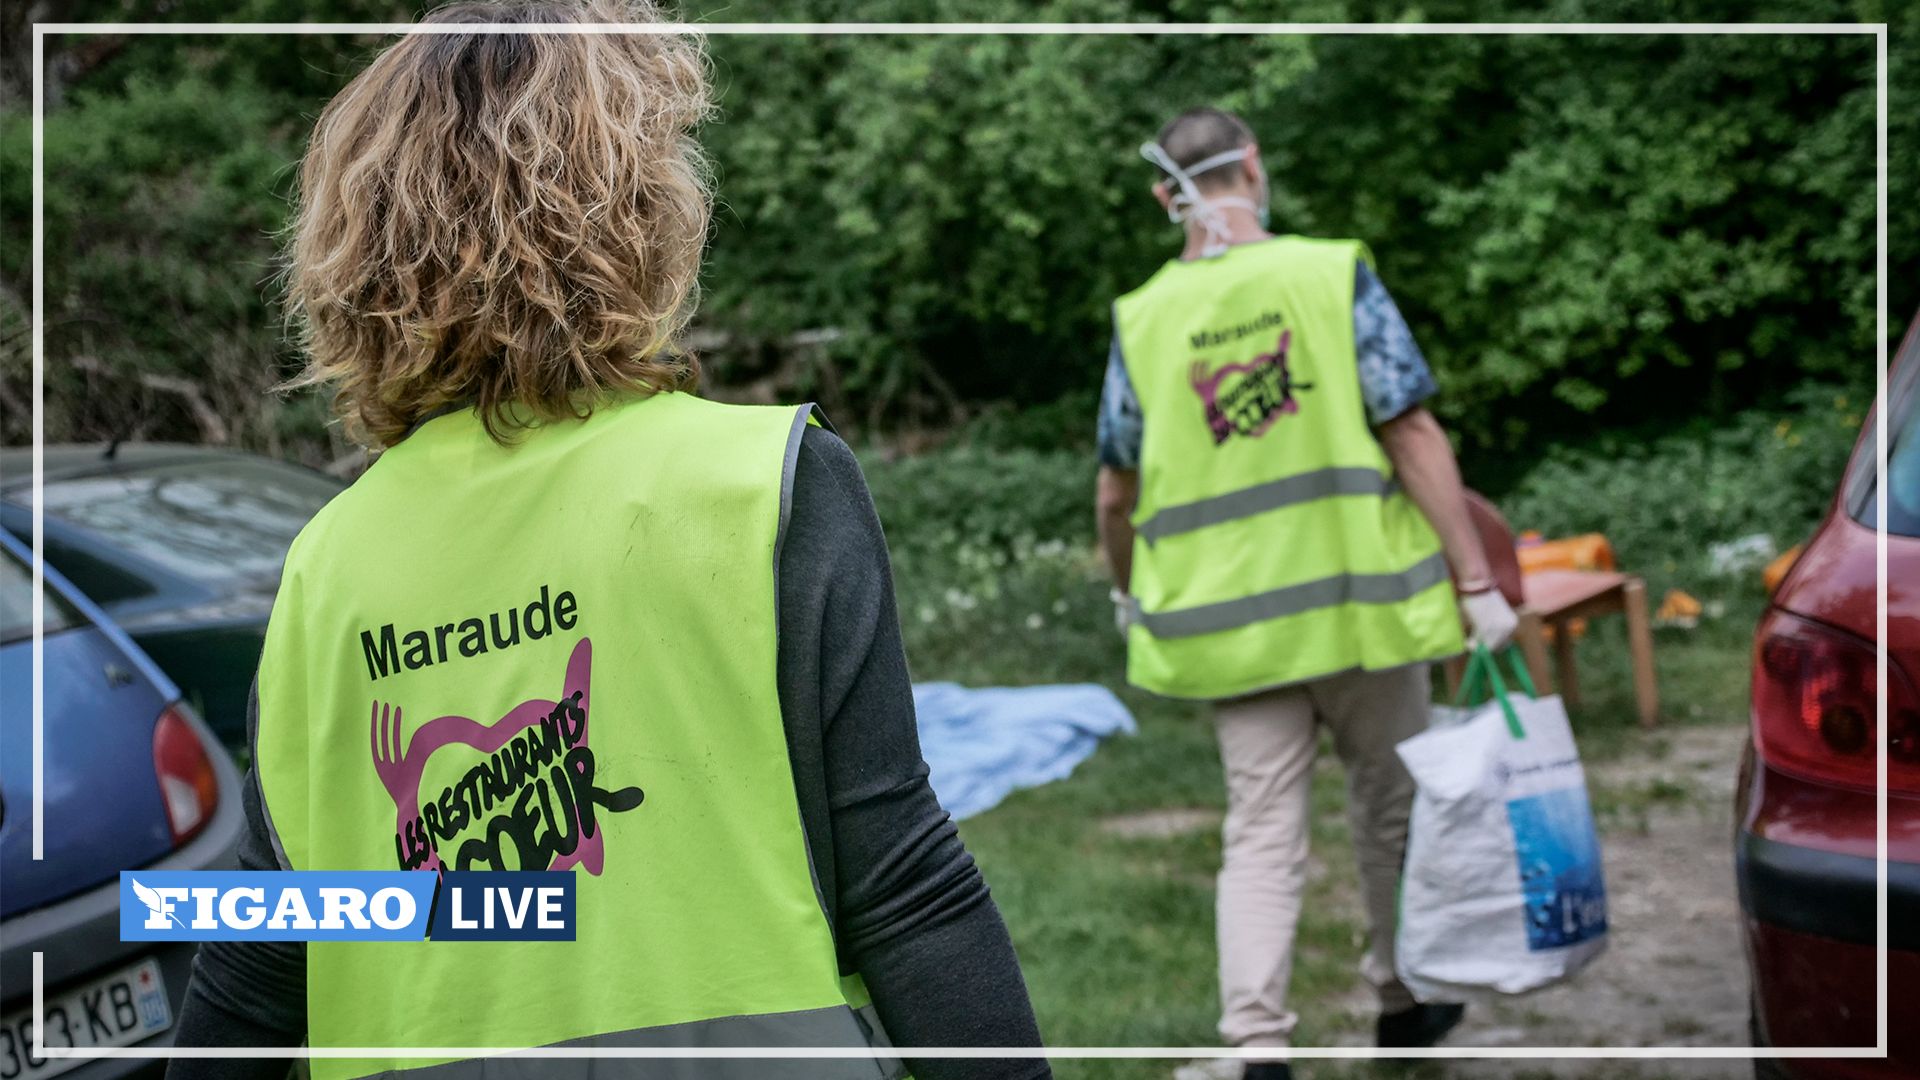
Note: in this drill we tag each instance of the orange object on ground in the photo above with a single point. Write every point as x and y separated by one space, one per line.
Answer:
1589 551
1776 571
1678 609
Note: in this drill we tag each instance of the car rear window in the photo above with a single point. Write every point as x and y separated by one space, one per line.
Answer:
1903 454
210 519
16 603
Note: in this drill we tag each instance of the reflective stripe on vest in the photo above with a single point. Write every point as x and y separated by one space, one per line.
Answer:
1261 498
829 1027
1296 599
558 655
1273 544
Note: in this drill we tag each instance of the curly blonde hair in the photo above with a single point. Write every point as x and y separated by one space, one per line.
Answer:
510 220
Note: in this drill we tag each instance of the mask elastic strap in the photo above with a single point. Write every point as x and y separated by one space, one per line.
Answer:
1188 204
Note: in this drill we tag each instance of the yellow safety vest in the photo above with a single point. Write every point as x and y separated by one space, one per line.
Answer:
1273 545
616 573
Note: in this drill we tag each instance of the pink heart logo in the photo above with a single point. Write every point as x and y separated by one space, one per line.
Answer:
533 796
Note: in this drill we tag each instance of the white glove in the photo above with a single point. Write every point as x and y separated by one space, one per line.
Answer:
1490 618
1122 610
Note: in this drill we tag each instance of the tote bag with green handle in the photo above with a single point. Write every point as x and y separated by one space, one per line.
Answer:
1503 890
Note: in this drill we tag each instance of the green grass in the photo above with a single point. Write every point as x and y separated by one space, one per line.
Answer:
1116 931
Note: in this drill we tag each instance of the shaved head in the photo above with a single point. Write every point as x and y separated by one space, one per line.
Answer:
1198 134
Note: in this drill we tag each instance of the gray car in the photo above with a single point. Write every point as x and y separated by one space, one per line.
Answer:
180 545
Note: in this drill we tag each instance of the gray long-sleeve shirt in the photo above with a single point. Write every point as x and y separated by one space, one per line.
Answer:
909 909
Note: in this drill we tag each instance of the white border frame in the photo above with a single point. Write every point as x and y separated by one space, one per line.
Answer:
1877 30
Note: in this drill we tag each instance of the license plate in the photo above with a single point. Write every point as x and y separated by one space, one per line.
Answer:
123 1008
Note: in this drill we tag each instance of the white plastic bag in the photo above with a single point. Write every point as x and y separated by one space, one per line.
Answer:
1503 889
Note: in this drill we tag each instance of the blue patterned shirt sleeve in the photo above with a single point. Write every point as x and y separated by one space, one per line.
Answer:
1394 376
1120 418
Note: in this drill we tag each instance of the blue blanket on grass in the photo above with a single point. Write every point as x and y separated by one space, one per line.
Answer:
983 745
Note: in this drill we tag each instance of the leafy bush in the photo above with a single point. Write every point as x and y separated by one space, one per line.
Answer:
160 203
1570 257
994 565
1663 503
984 498
1066 423
1631 228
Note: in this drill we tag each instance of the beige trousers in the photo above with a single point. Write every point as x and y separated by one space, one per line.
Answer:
1267 743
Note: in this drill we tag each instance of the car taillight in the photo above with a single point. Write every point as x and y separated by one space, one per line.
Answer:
187 782
1814 706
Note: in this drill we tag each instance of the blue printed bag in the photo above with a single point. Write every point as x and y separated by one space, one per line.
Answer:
1503 889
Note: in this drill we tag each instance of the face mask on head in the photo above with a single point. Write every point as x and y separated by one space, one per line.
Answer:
1188 204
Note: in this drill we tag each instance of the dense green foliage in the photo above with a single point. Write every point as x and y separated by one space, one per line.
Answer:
1584 230
1663 503
1628 227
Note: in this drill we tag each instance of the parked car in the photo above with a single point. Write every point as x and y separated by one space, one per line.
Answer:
132 780
1806 839
180 545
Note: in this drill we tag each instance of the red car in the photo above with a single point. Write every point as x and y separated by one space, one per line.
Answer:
1805 844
